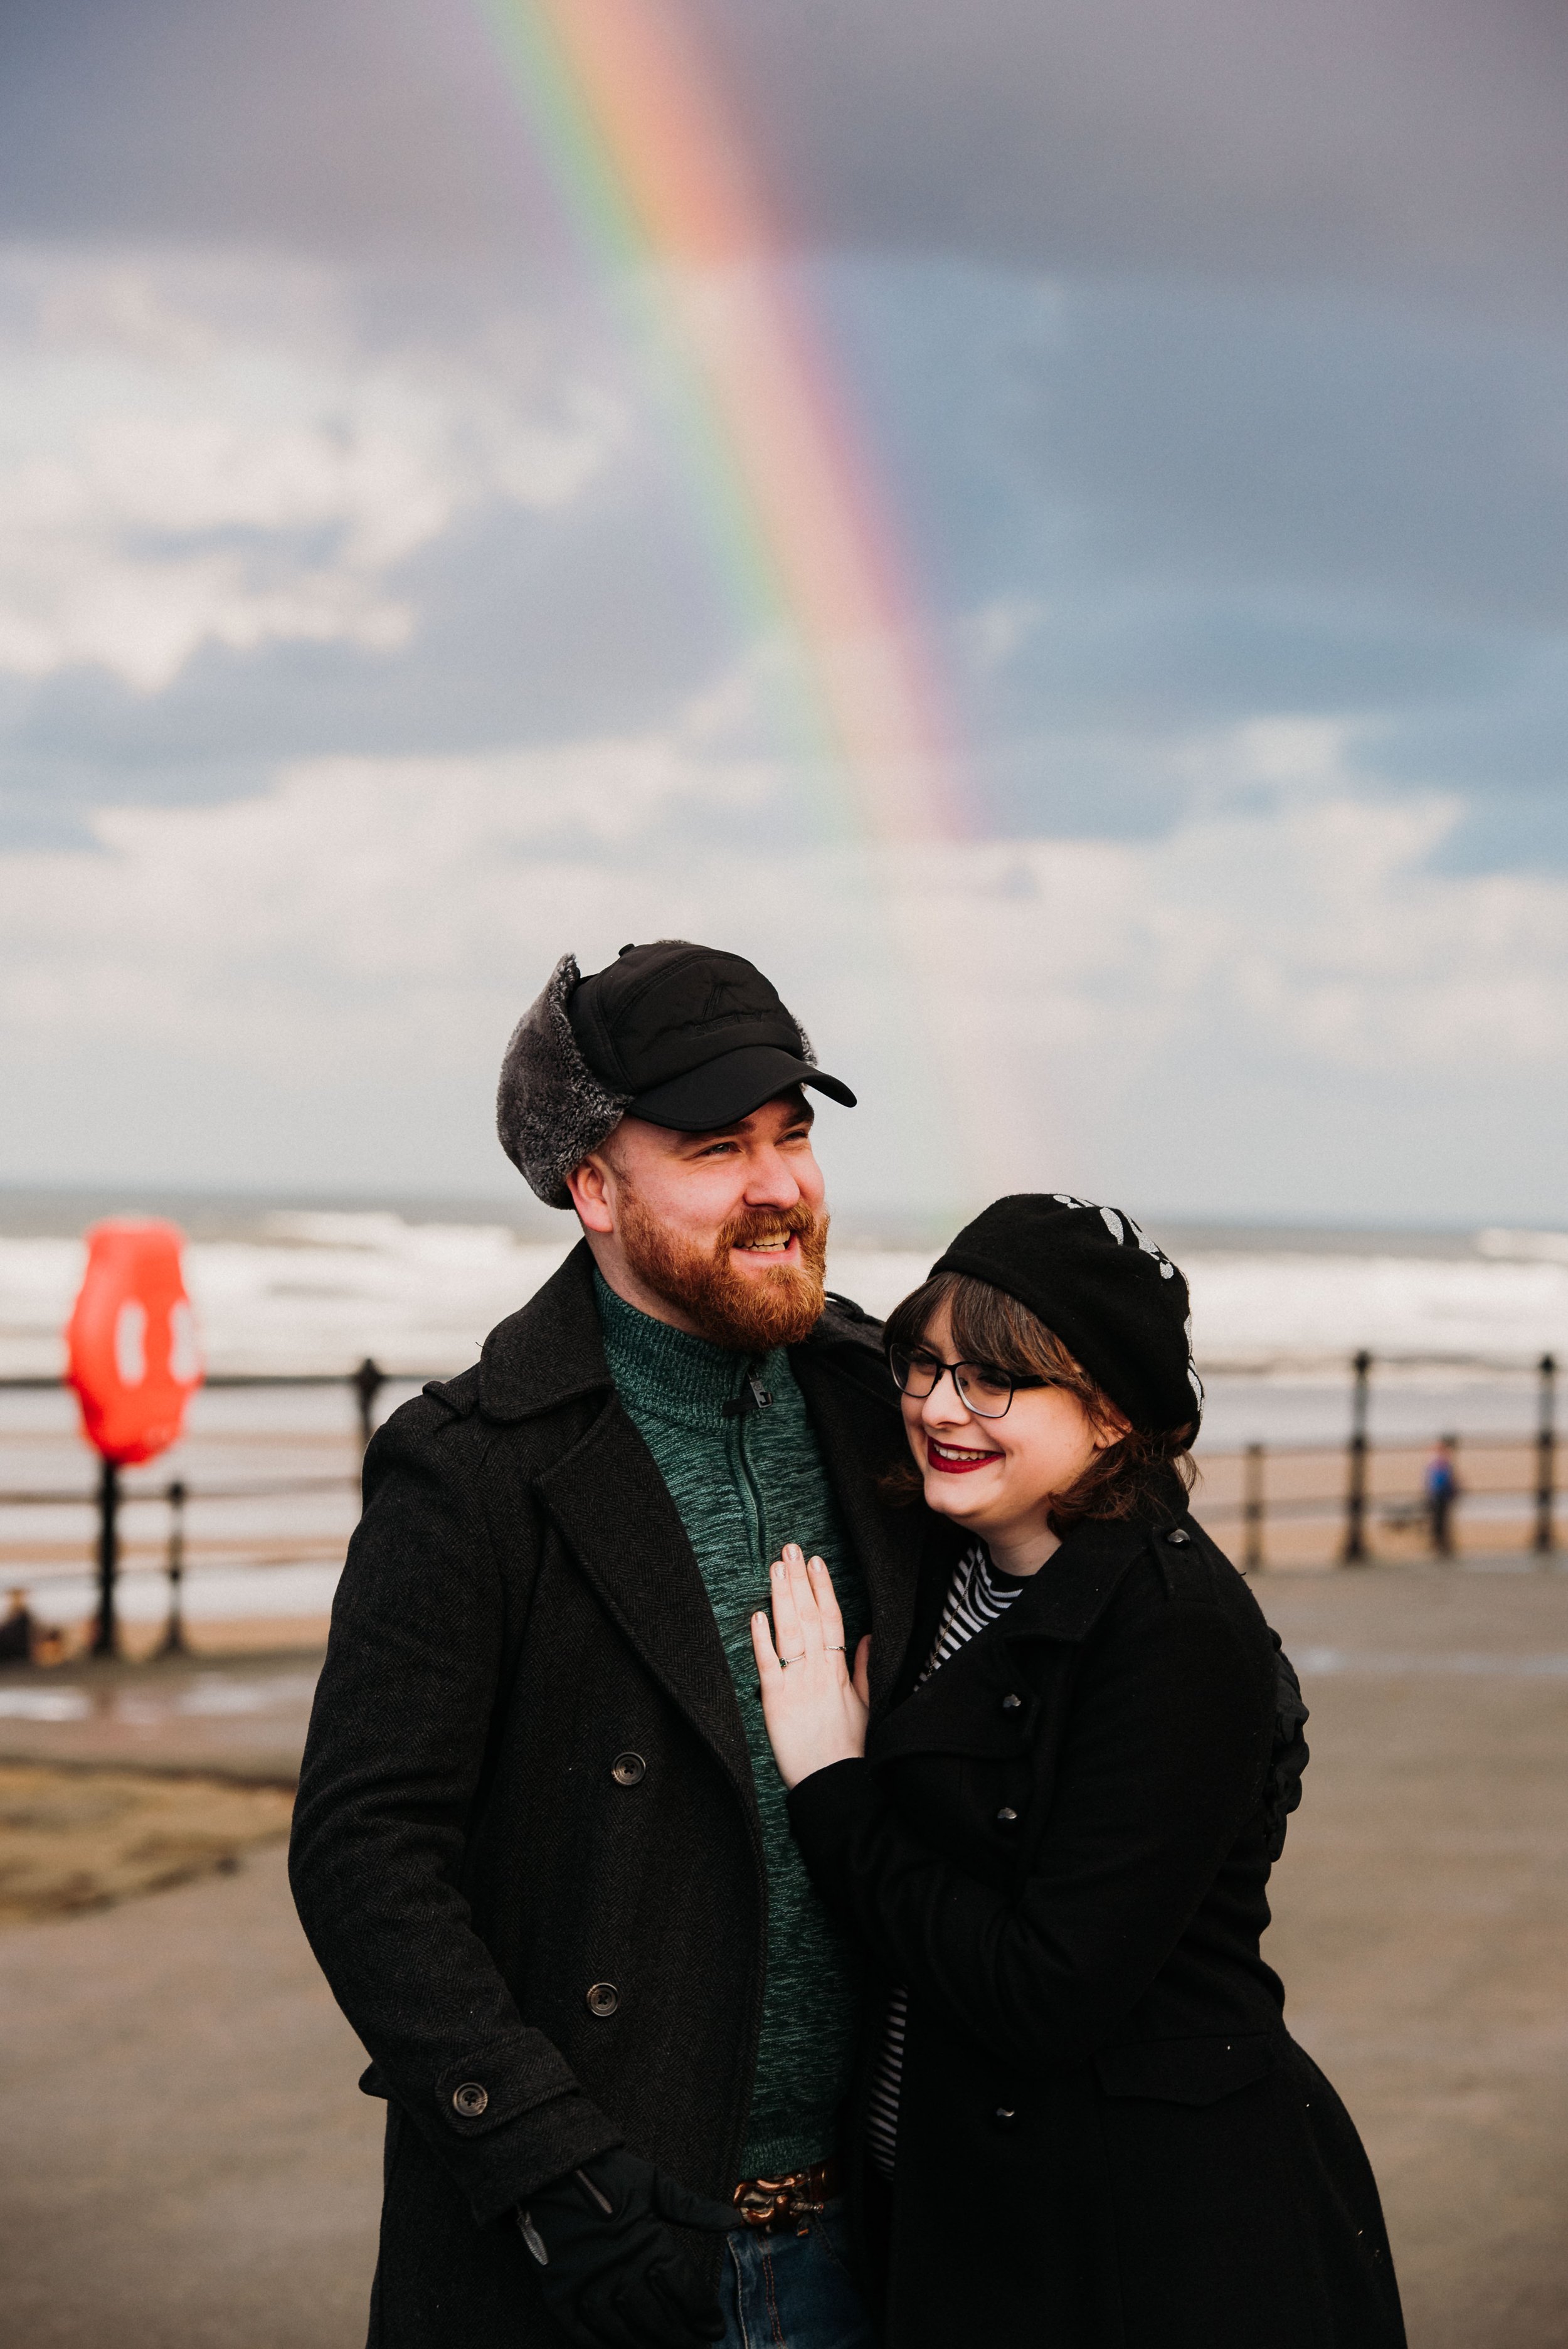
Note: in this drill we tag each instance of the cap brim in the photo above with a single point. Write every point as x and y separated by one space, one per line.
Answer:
731 1087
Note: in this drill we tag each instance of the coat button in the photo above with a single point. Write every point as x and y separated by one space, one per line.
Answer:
1007 1816
1178 1537
1012 1702
1005 2118
628 1769
604 1999
471 2099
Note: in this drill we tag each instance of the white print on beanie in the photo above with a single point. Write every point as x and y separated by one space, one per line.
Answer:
1119 1227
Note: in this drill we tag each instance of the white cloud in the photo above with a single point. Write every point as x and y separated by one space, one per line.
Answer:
335 963
181 466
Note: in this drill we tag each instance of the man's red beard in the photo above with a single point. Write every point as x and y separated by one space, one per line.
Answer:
751 1313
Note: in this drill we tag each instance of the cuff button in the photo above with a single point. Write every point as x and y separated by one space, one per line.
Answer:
471 2099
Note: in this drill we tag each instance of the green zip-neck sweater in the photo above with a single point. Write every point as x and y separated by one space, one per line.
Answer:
744 1485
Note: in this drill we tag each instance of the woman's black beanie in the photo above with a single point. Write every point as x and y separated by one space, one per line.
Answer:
1116 1302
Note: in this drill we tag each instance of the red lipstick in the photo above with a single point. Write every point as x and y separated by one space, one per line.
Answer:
959 1464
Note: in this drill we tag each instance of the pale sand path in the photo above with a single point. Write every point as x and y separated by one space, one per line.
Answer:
184 2163
184 2160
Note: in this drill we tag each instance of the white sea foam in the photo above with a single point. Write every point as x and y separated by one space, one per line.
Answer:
318 1291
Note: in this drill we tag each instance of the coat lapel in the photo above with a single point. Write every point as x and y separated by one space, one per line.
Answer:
612 1507
960 1708
860 1435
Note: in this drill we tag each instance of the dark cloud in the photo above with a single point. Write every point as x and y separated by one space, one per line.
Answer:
1366 139
530 630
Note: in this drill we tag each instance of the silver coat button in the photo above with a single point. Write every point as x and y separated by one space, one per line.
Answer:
471 2099
604 1999
628 1769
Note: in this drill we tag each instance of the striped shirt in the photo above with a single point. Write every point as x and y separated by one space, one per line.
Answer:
976 1595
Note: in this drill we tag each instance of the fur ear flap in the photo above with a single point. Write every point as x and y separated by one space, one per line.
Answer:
550 1110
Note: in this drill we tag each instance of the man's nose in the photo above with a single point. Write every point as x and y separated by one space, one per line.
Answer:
770 1182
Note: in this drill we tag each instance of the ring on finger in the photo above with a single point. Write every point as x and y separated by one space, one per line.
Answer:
794 1660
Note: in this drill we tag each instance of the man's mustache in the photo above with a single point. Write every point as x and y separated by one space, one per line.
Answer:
747 1225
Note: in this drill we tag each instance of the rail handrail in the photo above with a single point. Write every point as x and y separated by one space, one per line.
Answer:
367 1379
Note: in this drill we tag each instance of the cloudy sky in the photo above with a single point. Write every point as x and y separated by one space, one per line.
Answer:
361 646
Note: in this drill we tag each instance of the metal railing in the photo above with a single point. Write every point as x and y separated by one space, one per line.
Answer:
1255 1508
109 1496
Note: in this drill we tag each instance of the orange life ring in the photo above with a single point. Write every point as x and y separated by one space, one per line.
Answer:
134 1357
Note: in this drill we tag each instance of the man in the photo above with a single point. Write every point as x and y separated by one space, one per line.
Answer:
540 1848
1442 1483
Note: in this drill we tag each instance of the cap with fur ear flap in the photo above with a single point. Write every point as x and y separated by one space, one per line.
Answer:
550 1110
678 1035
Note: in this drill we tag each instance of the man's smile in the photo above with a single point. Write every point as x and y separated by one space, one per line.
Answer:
952 1462
782 1247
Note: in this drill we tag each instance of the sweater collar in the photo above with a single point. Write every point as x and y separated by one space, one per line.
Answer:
667 1371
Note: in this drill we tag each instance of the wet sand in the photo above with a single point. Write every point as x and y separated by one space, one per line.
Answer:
185 2164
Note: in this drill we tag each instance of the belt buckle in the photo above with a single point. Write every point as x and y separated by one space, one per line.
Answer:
770 2204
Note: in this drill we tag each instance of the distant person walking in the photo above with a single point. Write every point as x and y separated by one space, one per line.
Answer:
1443 1489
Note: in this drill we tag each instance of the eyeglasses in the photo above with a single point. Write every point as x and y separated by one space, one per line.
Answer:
980 1387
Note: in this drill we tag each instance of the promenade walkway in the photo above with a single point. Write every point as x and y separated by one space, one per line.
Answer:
184 2163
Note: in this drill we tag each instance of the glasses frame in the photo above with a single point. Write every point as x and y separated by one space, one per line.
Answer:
1019 1384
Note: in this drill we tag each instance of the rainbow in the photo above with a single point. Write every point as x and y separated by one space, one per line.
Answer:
644 148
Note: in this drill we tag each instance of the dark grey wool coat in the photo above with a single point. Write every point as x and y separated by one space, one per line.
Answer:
526 1848
1061 1843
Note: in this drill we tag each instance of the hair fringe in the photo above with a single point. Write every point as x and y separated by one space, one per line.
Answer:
1130 1472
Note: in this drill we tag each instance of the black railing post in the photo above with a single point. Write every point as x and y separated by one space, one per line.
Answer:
1253 1509
106 1632
1355 1463
1546 1460
174 1633
367 1383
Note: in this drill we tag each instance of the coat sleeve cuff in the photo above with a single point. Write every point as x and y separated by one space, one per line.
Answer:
504 2119
828 1809
528 2152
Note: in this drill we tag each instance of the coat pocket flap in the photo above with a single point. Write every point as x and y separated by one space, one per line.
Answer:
1187 2070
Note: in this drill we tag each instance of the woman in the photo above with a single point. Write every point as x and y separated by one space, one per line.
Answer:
1085 2126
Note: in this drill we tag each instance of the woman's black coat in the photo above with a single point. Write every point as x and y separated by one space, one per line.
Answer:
1059 1844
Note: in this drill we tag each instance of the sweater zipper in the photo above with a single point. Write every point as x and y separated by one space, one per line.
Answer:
751 1490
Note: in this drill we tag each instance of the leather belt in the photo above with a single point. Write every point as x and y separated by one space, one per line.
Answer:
773 2205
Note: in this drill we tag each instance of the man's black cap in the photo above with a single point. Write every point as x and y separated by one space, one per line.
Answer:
698 1038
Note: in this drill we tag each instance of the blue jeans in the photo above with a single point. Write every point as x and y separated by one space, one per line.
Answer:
793 2292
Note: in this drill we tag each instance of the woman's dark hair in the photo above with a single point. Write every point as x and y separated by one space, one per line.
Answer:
989 1326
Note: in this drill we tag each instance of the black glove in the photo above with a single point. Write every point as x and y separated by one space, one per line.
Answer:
611 2274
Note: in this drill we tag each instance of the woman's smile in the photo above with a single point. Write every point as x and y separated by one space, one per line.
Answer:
952 1462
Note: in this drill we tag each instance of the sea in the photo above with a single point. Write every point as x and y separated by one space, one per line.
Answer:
1456 1322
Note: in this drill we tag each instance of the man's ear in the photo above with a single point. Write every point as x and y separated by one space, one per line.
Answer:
590 1188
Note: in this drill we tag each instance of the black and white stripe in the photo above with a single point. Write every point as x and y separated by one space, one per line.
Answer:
976 1595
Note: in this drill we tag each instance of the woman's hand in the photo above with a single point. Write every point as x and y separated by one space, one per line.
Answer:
815 1712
